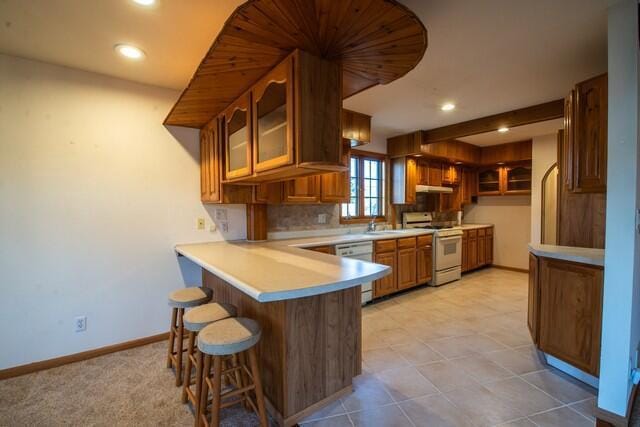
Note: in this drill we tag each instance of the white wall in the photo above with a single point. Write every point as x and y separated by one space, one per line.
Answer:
512 218
621 311
544 155
94 194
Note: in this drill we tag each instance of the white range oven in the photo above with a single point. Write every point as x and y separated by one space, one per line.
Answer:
447 246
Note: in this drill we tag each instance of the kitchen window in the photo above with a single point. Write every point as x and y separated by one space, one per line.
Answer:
367 186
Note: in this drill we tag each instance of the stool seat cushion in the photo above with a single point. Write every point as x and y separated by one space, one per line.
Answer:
190 297
199 317
229 336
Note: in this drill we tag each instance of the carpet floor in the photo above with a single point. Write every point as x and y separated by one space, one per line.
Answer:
128 388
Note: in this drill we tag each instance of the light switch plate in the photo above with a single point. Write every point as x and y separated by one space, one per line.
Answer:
200 223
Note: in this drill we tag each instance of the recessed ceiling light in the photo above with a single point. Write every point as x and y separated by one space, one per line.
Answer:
129 51
448 106
503 129
145 2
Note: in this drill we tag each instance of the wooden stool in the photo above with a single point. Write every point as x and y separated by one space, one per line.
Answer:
235 337
179 300
194 321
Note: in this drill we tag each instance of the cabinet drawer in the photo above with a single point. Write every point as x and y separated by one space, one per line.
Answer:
385 246
473 234
324 249
489 231
481 232
407 243
425 240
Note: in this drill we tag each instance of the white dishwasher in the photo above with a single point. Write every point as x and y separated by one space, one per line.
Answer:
364 252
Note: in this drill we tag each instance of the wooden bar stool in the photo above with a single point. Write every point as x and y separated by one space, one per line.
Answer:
235 337
179 300
194 321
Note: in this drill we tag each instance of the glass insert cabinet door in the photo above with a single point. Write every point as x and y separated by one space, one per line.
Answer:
489 181
518 179
237 139
273 119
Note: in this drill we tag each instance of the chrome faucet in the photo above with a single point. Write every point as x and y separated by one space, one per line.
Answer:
371 227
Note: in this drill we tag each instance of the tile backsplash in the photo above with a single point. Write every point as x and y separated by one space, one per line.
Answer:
303 217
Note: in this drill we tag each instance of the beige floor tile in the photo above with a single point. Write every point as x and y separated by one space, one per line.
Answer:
521 396
484 407
586 408
417 353
452 347
381 359
388 416
560 386
482 344
522 422
445 376
339 421
406 383
563 417
435 411
368 392
481 368
511 338
332 409
517 361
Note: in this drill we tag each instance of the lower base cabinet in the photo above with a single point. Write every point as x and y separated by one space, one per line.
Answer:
477 248
565 310
389 283
410 259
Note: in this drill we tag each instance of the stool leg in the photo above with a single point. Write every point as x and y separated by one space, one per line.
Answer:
240 379
180 339
217 379
172 336
201 414
258 383
186 381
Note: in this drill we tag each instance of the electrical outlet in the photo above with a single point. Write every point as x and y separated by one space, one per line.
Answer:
322 218
81 323
221 214
224 226
200 223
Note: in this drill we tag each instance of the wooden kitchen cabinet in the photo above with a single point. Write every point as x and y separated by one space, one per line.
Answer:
404 180
209 164
465 251
533 306
424 259
331 250
450 174
386 253
336 187
468 186
569 311
488 254
273 118
302 190
505 180
585 137
407 262
473 249
481 260
477 248
489 181
237 139
434 173
356 128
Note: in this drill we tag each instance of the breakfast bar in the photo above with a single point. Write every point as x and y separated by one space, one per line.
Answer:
308 305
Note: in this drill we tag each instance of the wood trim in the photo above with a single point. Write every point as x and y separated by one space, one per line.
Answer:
294 419
542 197
77 357
504 267
523 116
256 222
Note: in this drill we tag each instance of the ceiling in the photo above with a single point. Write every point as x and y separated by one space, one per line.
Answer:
514 134
486 56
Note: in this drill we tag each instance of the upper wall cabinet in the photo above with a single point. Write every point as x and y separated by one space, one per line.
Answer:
404 178
585 143
288 124
237 139
273 115
505 180
356 128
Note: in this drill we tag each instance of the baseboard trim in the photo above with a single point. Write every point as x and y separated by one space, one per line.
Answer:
77 357
504 267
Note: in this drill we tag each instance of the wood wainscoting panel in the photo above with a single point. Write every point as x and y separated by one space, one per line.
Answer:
310 348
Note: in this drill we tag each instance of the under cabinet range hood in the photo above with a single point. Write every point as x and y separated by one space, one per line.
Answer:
433 189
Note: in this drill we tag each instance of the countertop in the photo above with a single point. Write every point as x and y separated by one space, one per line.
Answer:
336 239
275 271
474 226
569 253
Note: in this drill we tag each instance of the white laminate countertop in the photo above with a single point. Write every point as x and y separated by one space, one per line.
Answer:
273 271
337 239
474 226
569 253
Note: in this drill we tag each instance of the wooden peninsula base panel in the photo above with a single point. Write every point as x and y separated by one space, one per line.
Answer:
310 348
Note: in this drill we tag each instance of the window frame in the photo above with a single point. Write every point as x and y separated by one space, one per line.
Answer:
361 156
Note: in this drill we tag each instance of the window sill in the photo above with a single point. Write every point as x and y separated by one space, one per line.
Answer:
361 220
